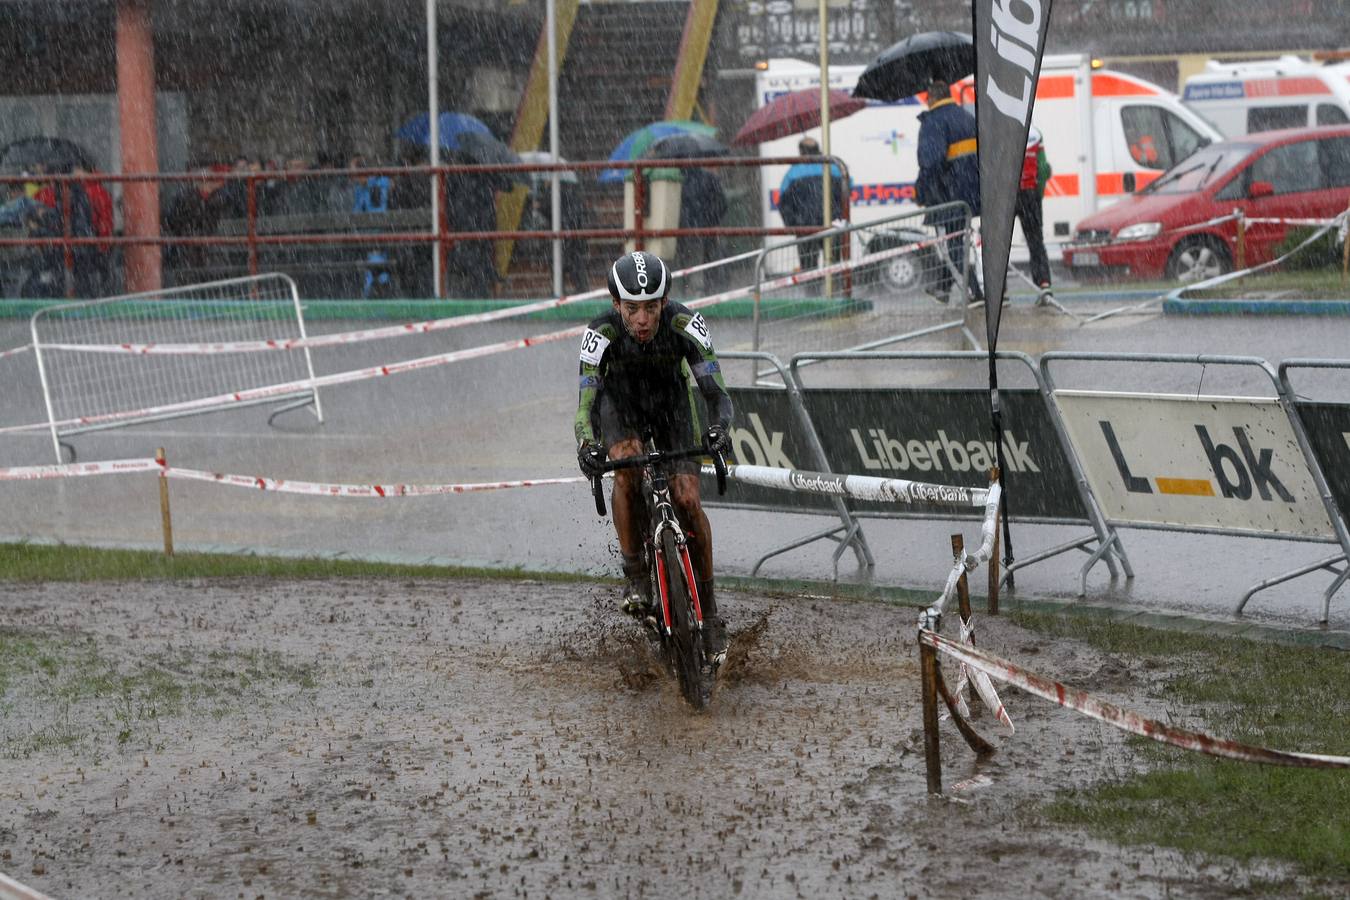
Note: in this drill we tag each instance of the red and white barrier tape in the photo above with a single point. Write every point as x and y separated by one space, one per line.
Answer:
360 491
77 470
1124 719
367 334
426 362
258 482
16 351
1342 221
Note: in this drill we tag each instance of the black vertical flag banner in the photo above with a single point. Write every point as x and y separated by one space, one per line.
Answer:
1009 42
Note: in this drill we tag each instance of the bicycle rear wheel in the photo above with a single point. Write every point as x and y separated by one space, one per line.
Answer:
687 646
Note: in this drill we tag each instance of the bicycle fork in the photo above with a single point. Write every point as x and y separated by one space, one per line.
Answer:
663 576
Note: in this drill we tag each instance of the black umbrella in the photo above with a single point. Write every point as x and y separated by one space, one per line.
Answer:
904 69
689 145
55 156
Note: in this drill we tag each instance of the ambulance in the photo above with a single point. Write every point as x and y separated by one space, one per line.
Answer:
1266 95
1106 133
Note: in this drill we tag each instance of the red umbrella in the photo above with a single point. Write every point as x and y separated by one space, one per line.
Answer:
793 113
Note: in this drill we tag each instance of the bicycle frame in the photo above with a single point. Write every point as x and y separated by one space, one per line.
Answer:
660 517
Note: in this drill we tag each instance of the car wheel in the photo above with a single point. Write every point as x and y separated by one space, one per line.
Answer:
1196 259
902 272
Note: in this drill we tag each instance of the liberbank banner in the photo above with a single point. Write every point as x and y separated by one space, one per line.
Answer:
935 436
1223 464
1328 428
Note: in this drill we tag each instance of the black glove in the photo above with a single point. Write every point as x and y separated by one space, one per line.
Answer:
591 459
716 440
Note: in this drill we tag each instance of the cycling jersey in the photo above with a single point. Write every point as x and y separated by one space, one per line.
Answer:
648 385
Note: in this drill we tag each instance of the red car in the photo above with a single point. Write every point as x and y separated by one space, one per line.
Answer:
1165 230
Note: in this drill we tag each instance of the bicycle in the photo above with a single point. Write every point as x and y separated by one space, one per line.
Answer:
679 623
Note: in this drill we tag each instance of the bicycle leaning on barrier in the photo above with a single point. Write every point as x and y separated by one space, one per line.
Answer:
676 618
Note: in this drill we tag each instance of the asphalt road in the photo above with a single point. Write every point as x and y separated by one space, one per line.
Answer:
508 416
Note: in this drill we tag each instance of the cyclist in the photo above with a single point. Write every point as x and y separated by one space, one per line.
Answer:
636 364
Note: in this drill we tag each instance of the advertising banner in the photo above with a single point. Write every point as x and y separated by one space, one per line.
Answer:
938 436
1328 427
1009 41
1226 464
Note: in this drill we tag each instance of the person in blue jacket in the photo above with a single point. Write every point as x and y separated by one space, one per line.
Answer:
801 198
949 170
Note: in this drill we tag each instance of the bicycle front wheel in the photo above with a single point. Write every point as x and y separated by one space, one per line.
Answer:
687 645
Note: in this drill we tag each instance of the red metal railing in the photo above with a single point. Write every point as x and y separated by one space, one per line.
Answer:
442 236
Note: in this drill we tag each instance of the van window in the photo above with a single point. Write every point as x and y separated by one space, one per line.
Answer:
1272 118
1158 138
1291 168
1331 115
1336 161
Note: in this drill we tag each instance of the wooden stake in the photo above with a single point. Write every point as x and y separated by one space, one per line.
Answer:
962 585
994 557
165 520
929 667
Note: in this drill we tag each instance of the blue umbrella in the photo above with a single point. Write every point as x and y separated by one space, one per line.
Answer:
635 145
453 127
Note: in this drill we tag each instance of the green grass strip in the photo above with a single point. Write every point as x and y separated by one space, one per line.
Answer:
1280 696
62 562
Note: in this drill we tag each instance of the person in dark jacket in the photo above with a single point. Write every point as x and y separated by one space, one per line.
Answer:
1030 192
949 170
471 205
801 198
702 205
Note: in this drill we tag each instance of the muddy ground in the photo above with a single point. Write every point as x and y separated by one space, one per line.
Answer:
256 738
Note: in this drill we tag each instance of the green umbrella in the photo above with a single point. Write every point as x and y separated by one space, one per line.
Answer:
636 144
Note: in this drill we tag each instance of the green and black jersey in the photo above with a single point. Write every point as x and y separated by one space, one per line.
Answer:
639 385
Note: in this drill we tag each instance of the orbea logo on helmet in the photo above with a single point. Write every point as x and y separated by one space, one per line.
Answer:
640 263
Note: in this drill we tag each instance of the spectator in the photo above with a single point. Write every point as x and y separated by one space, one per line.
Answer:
470 206
801 198
232 199
42 271
948 171
70 199
702 205
101 214
1035 174
370 193
573 209
195 212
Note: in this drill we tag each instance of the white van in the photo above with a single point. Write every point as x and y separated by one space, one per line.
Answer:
1107 134
1243 98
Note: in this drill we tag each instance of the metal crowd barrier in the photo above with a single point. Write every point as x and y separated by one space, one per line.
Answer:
900 293
1281 501
1052 501
848 533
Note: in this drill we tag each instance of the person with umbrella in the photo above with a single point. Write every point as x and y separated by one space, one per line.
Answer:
801 197
949 171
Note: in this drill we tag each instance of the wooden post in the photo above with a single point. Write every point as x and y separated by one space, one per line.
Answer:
994 574
165 521
962 584
1241 262
929 667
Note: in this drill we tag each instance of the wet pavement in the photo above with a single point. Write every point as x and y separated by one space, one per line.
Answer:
509 416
